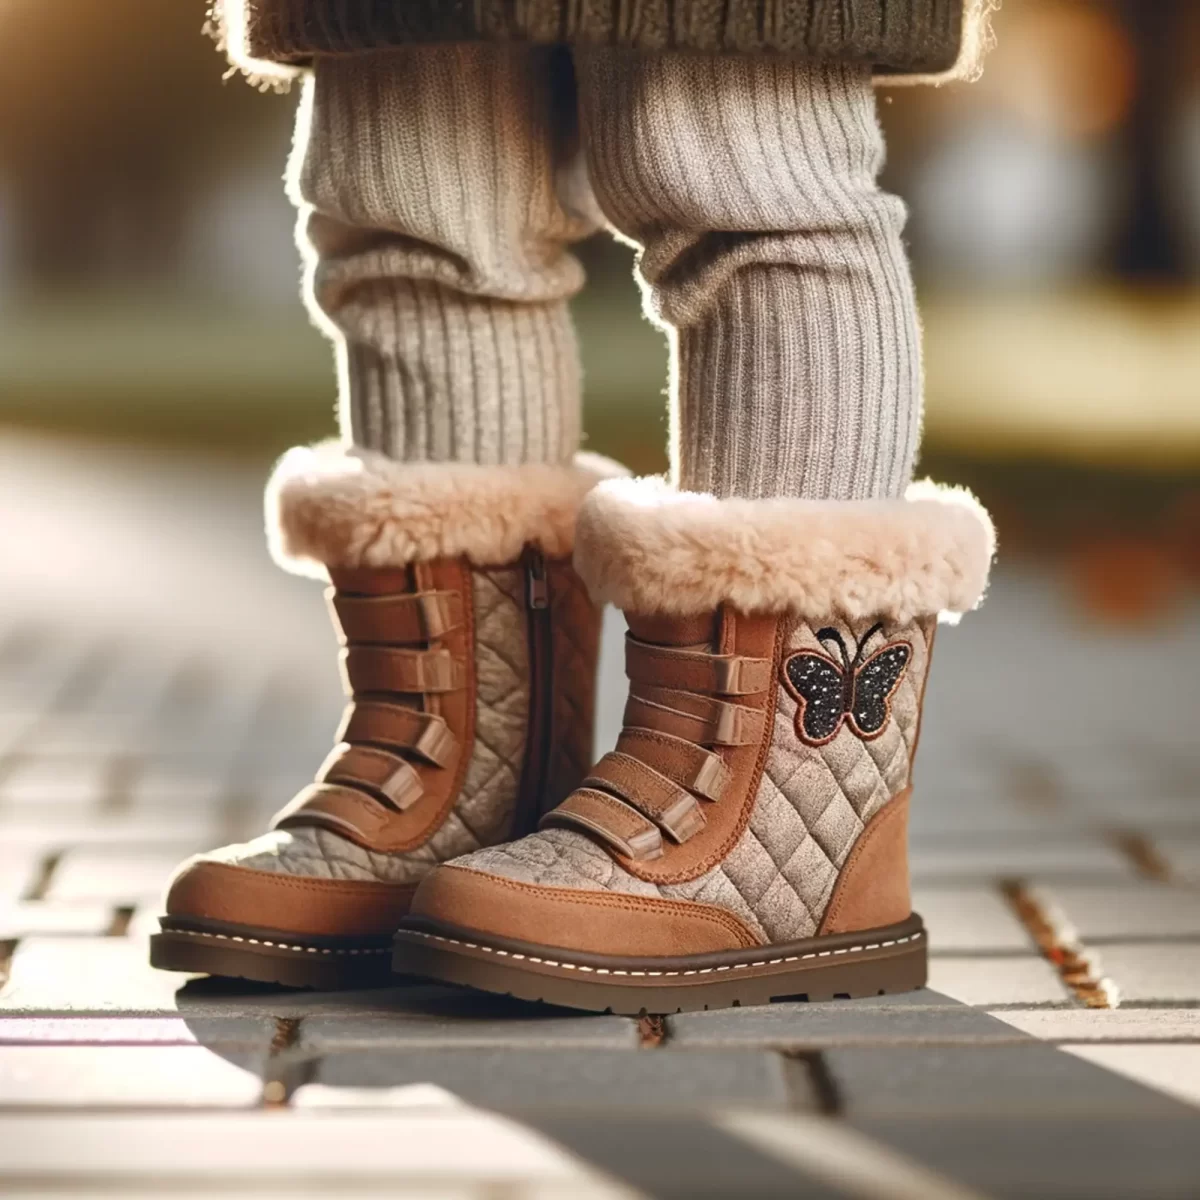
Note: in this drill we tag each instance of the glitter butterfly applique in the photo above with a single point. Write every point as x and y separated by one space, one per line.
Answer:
855 692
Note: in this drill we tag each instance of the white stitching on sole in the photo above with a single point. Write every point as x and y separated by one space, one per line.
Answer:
765 962
249 941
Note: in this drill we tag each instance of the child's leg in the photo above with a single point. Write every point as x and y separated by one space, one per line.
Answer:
438 261
773 261
755 807
437 251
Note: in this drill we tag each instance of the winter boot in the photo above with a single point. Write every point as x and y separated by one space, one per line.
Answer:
747 839
469 654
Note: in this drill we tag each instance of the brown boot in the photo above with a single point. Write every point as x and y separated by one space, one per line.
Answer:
469 654
747 838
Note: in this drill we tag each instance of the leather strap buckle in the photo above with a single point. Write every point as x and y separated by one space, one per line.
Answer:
710 779
734 725
438 613
436 742
737 676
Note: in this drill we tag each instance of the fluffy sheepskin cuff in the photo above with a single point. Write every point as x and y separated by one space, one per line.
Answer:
335 506
649 549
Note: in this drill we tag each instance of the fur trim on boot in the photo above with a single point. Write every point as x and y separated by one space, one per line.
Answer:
335 506
647 548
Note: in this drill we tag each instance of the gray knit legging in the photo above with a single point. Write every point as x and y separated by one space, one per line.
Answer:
441 187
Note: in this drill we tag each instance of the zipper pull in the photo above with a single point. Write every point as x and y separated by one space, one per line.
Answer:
537 586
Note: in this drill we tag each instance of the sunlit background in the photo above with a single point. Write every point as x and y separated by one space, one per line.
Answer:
164 689
148 285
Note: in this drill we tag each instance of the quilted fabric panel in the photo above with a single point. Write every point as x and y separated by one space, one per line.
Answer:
485 806
824 796
484 811
566 859
811 806
319 854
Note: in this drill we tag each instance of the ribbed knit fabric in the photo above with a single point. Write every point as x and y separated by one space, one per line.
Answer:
437 249
773 261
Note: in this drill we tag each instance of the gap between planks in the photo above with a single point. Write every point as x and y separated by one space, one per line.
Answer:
1061 946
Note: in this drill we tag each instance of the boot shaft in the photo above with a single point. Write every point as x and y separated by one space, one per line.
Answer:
470 676
761 748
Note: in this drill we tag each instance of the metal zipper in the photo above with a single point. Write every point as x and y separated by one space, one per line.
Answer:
537 585
541 702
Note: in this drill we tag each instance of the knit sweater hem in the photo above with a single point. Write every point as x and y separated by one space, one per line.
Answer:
920 37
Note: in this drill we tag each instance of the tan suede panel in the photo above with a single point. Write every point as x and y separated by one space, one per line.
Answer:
873 888
335 907
568 919
811 807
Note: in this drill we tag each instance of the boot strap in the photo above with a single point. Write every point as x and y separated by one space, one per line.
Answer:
674 809
700 719
412 672
346 810
375 721
611 820
666 762
360 788
380 772
682 762
394 619
696 670
367 781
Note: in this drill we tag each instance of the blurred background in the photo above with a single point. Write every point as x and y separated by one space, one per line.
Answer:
148 286
164 689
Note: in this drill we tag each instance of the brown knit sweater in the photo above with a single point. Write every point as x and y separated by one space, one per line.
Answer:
895 36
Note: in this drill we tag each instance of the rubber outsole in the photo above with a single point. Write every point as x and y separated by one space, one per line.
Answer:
265 957
866 963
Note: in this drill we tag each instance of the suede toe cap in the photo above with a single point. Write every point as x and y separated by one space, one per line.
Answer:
588 921
207 891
